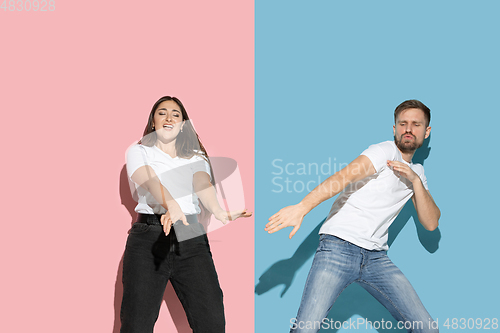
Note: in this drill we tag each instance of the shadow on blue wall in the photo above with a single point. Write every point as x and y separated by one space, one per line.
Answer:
354 300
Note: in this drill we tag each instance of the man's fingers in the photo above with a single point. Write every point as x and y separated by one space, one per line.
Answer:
276 227
398 165
184 220
271 223
295 229
274 216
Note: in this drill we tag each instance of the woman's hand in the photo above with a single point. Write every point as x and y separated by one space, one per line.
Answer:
225 216
173 215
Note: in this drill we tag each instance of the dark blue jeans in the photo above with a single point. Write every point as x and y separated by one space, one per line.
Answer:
152 259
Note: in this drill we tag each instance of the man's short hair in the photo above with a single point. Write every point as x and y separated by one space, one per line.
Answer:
413 104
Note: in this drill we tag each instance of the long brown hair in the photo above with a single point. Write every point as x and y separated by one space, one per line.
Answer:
187 143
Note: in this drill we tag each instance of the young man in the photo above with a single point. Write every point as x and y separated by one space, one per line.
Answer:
353 242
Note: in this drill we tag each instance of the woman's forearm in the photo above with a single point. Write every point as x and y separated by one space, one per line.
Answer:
206 192
147 179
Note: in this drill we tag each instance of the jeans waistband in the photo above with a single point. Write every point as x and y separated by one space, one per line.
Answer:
154 219
178 233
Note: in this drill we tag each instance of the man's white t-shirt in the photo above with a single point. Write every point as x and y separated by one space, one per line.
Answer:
176 174
363 212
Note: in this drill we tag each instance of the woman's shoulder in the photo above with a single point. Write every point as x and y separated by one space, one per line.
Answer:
198 156
140 150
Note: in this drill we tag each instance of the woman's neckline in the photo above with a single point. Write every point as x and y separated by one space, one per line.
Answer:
176 157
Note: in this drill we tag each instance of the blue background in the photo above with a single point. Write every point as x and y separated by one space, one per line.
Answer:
329 75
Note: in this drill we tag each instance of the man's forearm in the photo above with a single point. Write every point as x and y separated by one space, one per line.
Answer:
293 215
332 186
358 169
427 210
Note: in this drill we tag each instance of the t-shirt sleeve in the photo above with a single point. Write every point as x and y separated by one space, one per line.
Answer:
424 181
136 158
200 164
421 174
377 155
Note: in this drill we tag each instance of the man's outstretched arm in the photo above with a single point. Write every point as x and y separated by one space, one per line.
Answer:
358 169
427 210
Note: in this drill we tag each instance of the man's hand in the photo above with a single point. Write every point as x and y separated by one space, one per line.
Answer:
173 215
427 210
404 170
225 216
290 216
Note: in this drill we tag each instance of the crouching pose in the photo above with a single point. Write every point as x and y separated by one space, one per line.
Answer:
353 239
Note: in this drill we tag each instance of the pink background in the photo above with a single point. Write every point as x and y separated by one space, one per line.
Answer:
76 86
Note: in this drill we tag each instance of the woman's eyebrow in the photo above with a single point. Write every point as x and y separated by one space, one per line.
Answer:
168 109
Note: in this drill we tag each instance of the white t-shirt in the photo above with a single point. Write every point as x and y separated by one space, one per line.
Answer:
364 211
176 174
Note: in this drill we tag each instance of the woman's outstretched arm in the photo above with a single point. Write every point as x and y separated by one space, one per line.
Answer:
206 192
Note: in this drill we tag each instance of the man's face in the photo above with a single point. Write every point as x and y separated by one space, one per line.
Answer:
410 130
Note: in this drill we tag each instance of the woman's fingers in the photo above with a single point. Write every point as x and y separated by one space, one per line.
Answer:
246 213
166 222
184 219
235 214
167 226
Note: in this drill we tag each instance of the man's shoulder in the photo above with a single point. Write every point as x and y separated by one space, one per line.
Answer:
387 147
418 168
379 153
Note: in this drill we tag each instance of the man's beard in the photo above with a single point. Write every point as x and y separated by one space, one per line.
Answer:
407 147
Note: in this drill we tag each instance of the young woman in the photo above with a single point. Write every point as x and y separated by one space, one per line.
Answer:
170 171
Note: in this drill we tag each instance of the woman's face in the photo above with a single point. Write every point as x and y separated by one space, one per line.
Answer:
168 121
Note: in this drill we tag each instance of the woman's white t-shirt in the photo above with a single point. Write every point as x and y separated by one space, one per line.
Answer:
176 174
363 212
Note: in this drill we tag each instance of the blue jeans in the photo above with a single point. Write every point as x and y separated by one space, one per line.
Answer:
338 263
152 259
